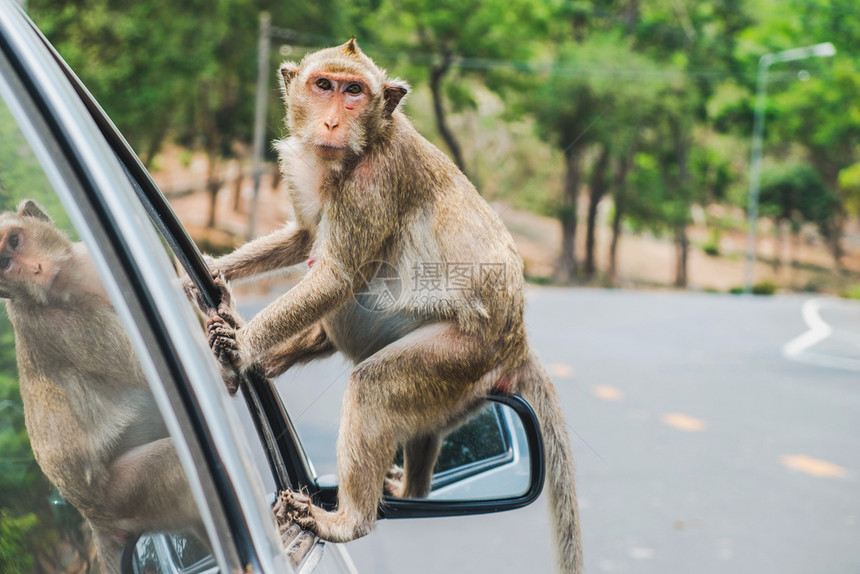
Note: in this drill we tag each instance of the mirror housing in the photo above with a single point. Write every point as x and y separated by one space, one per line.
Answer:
532 453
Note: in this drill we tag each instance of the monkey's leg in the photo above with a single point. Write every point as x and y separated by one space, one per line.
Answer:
411 387
148 489
109 548
310 344
419 458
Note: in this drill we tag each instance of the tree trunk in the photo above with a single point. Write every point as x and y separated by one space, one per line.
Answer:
620 196
597 189
777 245
836 238
155 143
212 186
568 216
612 275
237 188
793 246
682 244
630 15
437 72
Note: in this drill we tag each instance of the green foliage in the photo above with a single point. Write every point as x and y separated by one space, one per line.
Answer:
141 60
760 288
849 184
711 170
655 205
852 292
14 532
795 192
764 288
671 80
712 246
21 176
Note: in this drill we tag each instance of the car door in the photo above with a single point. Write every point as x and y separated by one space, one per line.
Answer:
54 153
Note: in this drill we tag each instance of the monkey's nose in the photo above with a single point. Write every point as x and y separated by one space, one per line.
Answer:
331 123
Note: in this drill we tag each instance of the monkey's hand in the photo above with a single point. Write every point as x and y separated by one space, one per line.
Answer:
222 341
190 288
222 326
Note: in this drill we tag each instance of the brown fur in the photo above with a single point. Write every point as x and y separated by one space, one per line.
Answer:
368 188
93 423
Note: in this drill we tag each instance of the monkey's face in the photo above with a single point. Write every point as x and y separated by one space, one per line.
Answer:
34 261
334 106
338 101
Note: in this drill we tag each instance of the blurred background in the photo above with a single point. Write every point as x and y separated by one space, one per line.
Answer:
712 432
614 137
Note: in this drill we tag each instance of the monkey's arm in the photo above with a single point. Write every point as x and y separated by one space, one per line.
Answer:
278 250
310 344
322 290
356 226
288 318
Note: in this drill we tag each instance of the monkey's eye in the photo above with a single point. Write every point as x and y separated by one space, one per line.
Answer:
4 263
323 84
14 240
354 88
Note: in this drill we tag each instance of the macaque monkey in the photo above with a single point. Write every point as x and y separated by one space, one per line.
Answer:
93 424
370 194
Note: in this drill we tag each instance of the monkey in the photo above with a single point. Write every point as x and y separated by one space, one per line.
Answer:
369 194
93 423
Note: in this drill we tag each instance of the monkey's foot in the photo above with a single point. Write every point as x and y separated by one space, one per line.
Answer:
294 508
393 485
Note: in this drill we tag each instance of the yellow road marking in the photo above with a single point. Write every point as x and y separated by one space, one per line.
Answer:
683 422
607 393
559 370
813 466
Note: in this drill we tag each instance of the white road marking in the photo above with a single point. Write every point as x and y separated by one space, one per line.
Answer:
798 348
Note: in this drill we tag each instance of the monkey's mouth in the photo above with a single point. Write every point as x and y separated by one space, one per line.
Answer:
329 152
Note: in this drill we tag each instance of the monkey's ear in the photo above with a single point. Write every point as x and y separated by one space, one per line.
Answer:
351 47
29 208
392 92
288 71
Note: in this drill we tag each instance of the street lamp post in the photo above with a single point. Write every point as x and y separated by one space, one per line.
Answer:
263 43
819 51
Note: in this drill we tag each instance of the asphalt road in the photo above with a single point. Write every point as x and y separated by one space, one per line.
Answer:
712 433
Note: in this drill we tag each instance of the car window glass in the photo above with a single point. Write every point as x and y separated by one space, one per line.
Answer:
147 560
187 551
86 461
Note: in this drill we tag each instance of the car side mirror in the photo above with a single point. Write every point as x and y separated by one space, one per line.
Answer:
494 461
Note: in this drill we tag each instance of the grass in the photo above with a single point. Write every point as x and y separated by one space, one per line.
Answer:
852 292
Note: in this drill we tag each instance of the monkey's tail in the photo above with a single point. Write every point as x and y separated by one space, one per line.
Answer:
536 387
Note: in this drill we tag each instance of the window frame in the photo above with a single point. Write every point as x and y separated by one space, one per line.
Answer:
95 188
